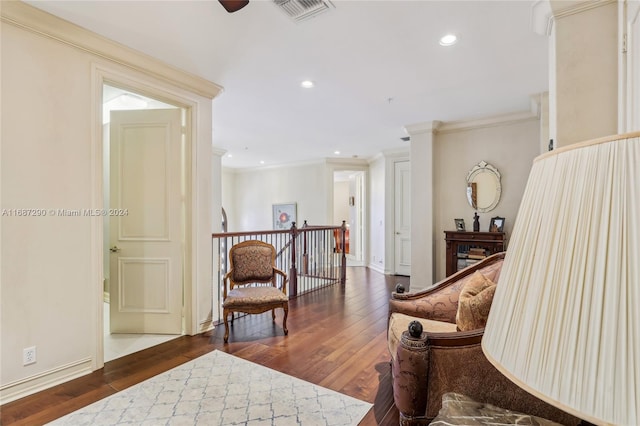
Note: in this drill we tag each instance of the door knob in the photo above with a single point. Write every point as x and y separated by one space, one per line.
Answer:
114 249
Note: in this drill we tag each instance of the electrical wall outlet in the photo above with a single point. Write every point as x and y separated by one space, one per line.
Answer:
29 355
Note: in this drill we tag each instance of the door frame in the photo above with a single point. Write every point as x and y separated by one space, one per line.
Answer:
395 204
355 167
194 250
390 212
360 202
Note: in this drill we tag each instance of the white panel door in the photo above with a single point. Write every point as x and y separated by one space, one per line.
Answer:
402 215
146 222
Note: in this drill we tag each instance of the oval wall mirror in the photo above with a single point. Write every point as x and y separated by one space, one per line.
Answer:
483 187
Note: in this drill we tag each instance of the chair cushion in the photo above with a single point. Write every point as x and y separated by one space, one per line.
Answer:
474 302
459 409
252 263
242 296
400 322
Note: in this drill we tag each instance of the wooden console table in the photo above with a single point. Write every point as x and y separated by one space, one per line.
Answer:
461 245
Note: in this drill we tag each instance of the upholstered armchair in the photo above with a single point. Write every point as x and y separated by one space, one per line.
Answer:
432 357
252 285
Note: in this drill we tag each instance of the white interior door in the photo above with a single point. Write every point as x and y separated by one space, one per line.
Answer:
402 220
145 230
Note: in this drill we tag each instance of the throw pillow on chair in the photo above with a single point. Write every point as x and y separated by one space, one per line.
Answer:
474 302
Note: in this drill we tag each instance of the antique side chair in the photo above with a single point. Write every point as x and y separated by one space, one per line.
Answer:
252 285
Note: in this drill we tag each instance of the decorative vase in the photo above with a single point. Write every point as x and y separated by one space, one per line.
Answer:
476 222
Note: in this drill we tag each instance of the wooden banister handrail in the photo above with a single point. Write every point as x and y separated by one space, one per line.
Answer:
247 233
309 228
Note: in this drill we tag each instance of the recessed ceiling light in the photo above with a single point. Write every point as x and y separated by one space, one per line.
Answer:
307 84
448 40
336 152
261 161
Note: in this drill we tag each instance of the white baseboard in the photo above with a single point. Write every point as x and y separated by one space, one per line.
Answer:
206 325
376 268
36 383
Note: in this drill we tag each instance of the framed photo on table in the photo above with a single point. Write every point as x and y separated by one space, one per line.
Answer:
460 225
497 224
283 216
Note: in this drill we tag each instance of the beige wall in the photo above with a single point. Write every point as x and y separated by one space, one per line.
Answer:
510 147
250 194
51 277
46 164
586 71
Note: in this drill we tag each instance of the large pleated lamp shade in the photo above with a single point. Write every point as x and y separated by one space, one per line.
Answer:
565 320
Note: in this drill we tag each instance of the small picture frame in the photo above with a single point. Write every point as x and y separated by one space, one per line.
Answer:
497 224
283 215
460 225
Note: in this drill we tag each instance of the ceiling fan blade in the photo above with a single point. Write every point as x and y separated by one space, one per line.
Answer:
233 5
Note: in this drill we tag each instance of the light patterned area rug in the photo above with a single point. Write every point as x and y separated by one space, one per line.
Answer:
221 389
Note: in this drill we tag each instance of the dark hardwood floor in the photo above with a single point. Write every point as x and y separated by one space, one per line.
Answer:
337 339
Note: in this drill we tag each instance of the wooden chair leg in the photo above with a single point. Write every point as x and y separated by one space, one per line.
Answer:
284 321
226 325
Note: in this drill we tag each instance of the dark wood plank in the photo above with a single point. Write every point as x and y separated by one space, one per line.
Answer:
337 339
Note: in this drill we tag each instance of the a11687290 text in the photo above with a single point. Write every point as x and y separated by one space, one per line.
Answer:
64 212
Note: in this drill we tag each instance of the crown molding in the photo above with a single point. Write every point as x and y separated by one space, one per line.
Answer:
292 165
545 12
378 156
425 127
37 21
437 127
399 152
497 120
328 161
354 162
218 151
542 18
576 7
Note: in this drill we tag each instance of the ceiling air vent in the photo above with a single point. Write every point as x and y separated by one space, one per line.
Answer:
299 10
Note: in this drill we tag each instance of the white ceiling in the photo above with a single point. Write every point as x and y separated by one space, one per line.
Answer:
377 66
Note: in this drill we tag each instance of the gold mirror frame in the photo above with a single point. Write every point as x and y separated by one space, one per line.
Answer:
479 191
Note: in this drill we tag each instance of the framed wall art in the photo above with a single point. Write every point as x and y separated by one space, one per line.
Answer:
284 215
